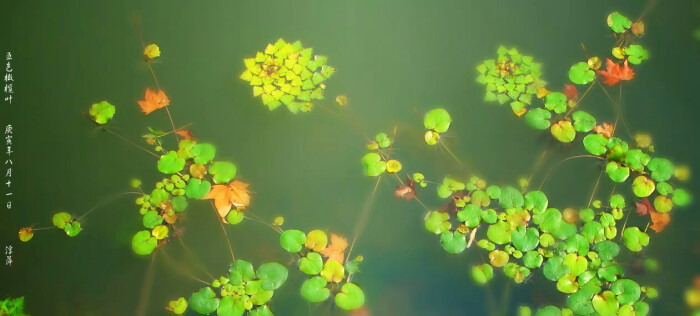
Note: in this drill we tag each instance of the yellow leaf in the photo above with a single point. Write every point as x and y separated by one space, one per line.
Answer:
333 271
316 240
151 51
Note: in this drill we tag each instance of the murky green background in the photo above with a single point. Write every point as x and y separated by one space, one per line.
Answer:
395 59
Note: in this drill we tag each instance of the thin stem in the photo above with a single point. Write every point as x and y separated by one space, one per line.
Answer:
415 197
362 221
106 202
451 153
536 167
595 188
618 108
580 99
192 258
130 142
228 242
179 269
561 162
146 288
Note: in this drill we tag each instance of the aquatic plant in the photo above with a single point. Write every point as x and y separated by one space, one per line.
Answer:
12 306
284 74
289 74
577 249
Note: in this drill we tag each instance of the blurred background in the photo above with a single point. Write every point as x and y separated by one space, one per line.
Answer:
395 60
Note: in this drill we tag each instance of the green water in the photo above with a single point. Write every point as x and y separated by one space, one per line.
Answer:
395 59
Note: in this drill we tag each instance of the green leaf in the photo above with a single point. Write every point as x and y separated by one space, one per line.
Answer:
241 271
549 310
511 197
203 153
532 259
555 101
636 159
152 219
681 197
635 239
72 229
222 171
551 221
143 243
618 22
627 291
437 222
563 131
593 231
567 284
499 233
312 264
595 144
470 215
60 219
204 301
272 275
230 306
159 196
178 307
580 302
170 163
606 304
525 239
643 186
102 112
482 273
383 140
350 297
636 54
536 201
583 122
373 165
449 186
554 268
580 73
538 118
314 290
197 188
179 203
453 242
292 240
617 172
661 169
577 244
438 120
607 250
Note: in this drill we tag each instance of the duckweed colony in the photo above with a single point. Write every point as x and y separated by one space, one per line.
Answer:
520 233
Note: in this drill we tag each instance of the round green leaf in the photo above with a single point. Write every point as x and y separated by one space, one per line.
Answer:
525 239
607 250
272 275
643 186
197 188
241 271
453 242
170 163
72 229
583 122
580 302
222 171
636 159
635 239
438 120
567 284
437 222
230 306
511 197
636 54
470 215
60 219
681 197
292 240
578 244
563 131
499 233
179 203
532 259
204 301
618 22
312 264
178 307
595 144
580 73
152 219
617 172
627 291
482 273
661 169
143 243
314 289
350 297
102 112
538 118
555 101
203 153
373 165
536 201
593 231
554 268
606 304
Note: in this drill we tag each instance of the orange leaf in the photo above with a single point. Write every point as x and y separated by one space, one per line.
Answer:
606 129
659 220
336 249
614 73
185 133
570 91
227 195
153 101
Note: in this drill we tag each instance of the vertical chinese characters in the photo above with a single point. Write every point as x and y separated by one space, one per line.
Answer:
9 81
8 255
8 165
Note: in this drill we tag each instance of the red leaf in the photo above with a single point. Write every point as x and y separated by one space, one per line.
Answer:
614 73
643 207
185 133
570 91
406 191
